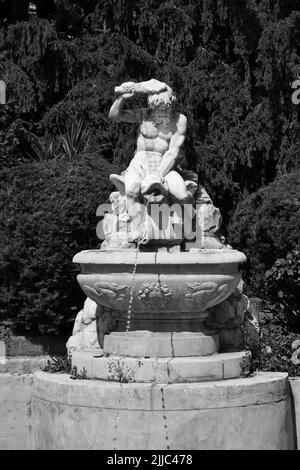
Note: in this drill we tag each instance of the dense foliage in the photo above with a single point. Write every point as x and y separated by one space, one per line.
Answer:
266 226
47 215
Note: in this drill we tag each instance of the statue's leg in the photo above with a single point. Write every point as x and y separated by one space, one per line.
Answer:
178 188
132 181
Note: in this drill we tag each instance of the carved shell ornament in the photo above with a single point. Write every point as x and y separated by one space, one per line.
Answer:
155 295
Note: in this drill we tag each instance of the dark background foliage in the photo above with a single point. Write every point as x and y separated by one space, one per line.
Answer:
231 64
266 226
47 214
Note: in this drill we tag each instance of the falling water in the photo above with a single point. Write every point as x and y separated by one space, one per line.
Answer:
139 242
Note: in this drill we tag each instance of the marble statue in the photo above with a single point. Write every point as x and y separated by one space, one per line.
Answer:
155 176
161 134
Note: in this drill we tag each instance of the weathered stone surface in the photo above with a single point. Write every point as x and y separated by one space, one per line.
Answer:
116 225
16 382
159 370
147 343
251 329
231 339
84 334
168 282
84 339
295 388
255 413
91 324
89 312
209 216
15 419
236 325
230 313
106 322
22 365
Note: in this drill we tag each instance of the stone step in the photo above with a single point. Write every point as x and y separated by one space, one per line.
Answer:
93 365
158 344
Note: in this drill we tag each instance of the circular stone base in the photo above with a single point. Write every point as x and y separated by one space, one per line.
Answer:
162 370
147 343
245 413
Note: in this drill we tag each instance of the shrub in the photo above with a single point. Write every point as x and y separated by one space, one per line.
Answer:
47 215
266 227
283 284
277 343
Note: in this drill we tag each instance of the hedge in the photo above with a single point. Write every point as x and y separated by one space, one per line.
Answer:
47 215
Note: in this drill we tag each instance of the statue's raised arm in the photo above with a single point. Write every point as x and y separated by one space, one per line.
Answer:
128 90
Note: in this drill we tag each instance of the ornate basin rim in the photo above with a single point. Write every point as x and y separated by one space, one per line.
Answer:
127 257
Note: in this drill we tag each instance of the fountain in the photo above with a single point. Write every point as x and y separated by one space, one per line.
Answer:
147 338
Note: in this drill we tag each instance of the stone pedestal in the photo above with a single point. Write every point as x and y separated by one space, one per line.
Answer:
160 344
156 390
244 413
145 356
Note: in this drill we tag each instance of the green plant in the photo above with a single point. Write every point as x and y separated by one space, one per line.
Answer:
63 365
75 374
58 364
120 372
45 149
5 332
246 365
76 139
277 338
283 284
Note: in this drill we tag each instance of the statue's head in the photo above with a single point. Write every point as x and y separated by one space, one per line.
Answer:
163 100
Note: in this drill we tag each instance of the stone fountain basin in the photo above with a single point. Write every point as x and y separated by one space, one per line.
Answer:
167 282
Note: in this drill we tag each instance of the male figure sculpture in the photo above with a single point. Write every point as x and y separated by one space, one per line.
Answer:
161 135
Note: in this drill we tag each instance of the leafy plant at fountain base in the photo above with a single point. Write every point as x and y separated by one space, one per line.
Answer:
63 365
58 364
119 372
247 365
82 374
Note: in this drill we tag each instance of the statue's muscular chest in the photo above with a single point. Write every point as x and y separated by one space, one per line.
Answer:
150 130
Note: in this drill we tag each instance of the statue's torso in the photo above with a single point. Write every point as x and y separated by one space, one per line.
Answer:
155 136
